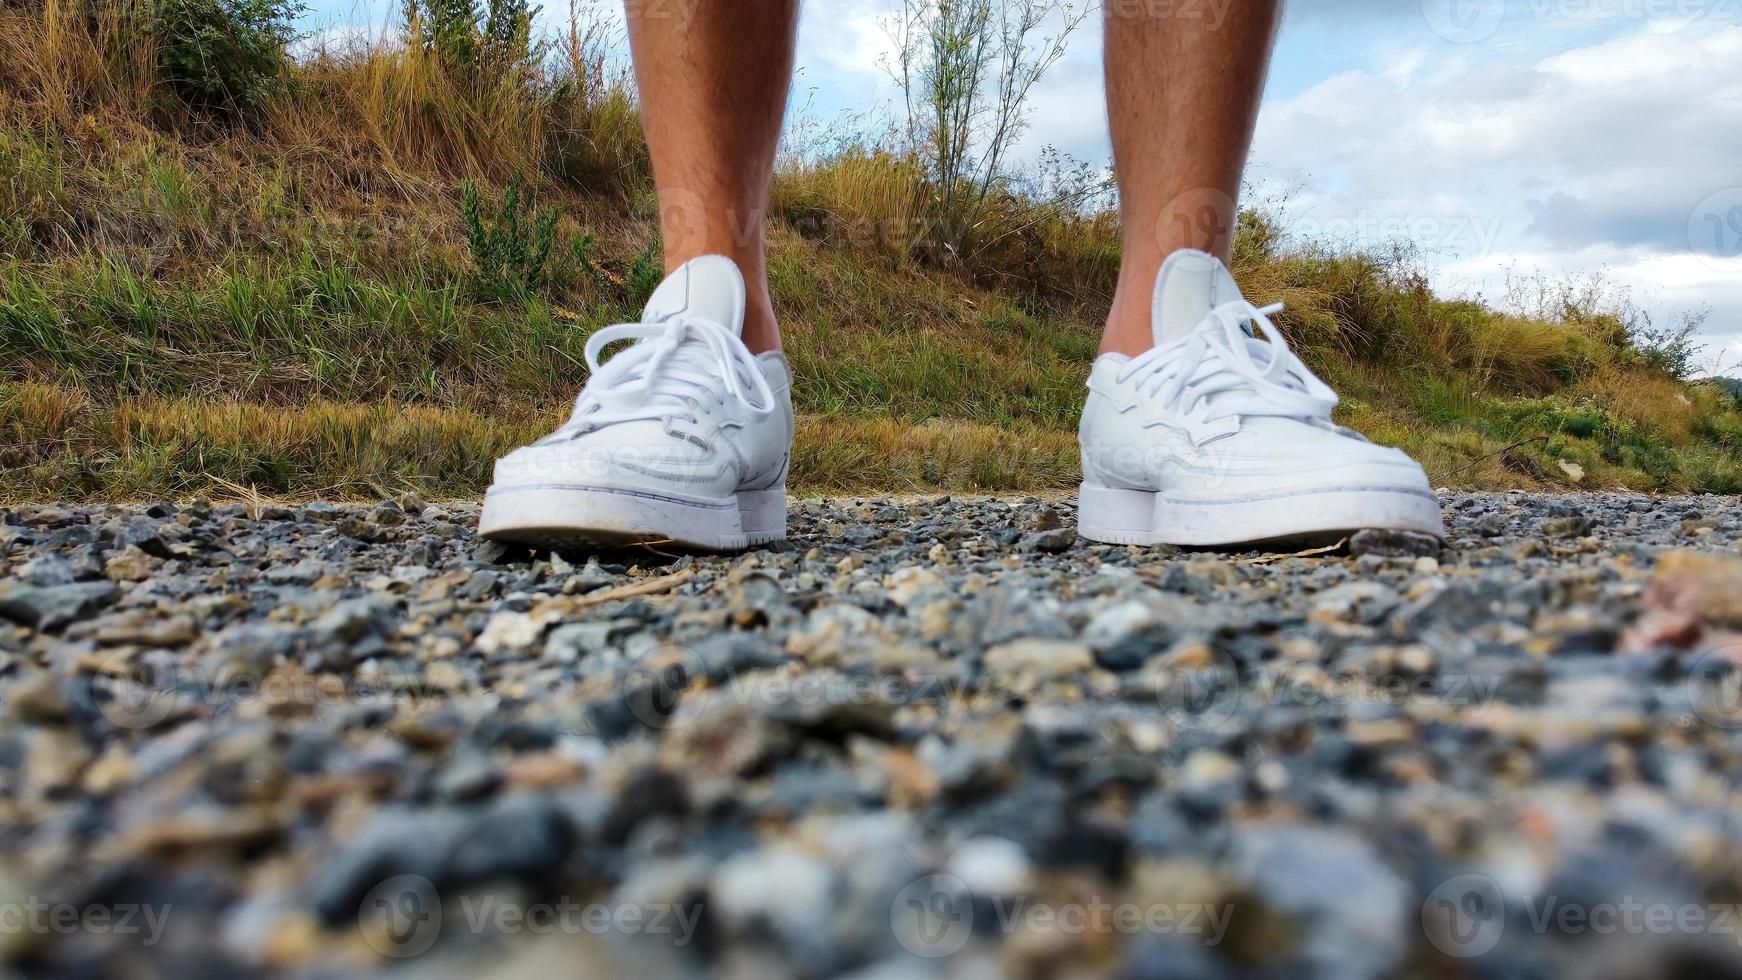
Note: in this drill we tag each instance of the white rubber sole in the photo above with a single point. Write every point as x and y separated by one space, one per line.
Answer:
590 517
1143 517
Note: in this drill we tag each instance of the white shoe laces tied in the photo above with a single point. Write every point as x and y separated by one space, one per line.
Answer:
1220 370
675 365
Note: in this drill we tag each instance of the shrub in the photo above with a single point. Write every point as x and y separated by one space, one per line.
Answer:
510 248
646 272
1671 348
222 57
478 43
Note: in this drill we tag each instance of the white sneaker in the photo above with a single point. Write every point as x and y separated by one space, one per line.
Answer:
683 437
1216 436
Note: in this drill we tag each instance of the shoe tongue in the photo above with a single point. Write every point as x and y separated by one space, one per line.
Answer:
1189 285
707 288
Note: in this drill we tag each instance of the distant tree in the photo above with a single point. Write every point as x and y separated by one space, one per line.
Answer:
1672 348
480 42
222 57
966 69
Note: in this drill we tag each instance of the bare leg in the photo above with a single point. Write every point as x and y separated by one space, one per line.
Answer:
713 76
1182 98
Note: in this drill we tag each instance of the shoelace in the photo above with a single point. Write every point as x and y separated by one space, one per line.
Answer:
1222 370
676 362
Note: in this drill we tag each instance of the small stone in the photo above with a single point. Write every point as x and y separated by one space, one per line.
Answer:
49 607
781 888
1051 542
1048 519
991 866
1215 571
590 578
1029 663
544 770
572 641
509 632
386 514
517 839
130 564
489 552
303 572
468 776
1360 601
1209 782
1126 634
38 700
47 570
345 622
908 584
1692 593
725 655
146 628
1393 544
1699 525
1558 528
480 586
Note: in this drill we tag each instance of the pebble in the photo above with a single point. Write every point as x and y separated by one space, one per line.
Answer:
50 607
1557 528
259 716
1393 544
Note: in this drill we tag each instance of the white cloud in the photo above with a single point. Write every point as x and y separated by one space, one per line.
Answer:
1594 156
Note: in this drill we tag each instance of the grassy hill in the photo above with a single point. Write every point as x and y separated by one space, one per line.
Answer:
270 284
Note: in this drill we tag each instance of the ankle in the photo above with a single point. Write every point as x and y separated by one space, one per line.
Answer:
1128 329
761 329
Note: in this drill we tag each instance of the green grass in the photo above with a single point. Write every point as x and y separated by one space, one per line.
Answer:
291 306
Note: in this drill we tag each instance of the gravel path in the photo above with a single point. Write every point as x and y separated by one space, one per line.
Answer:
925 737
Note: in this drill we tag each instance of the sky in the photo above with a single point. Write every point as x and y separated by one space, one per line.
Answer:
1560 138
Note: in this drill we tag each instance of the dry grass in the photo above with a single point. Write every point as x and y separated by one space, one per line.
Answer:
279 303
59 441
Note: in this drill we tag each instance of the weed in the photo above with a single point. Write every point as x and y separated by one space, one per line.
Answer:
510 244
222 57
